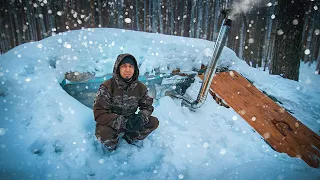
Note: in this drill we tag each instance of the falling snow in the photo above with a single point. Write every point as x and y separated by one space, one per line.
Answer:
187 144
28 79
2 131
66 45
307 51
127 20
266 135
101 161
223 151
243 112
280 32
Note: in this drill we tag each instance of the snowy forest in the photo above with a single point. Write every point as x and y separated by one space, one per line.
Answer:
273 35
223 89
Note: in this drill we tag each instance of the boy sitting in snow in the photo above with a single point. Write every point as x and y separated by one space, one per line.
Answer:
117 101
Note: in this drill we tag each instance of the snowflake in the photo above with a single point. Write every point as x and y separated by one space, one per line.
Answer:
223 151
307 51
280 32
205 145
2 131
234 118
127 20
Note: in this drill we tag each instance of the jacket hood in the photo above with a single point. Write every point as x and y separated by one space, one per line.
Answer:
116 72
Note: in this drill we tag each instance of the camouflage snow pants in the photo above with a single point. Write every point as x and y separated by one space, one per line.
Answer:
108 134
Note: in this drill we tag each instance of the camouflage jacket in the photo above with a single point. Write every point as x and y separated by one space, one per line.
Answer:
116 99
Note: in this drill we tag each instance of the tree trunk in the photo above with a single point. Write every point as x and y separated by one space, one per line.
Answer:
286 59
171 18
160 12
187 29
16 17
246 52
176 17
137 14
192 20
304 37
120 13
316 49
92 14
13 42
31 22
206 18
260 35
318 62
307 57
145 20
267 42
167 19
100 16
210 16
216 19
42 28
128 13
150 15
182 19
242 38
199 19
155 16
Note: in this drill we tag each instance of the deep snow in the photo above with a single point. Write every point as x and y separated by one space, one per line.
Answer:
45 133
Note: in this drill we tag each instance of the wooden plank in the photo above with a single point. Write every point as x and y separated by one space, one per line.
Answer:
279 128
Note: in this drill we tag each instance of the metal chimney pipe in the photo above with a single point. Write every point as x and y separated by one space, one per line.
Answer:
210 72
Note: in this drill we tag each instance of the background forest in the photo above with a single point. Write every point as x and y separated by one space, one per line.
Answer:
274 35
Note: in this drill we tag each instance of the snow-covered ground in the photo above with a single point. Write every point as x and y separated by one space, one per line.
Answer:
47 134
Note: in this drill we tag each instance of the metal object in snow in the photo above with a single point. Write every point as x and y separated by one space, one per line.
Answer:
210 72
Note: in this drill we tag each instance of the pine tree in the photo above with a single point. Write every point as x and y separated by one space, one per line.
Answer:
286 58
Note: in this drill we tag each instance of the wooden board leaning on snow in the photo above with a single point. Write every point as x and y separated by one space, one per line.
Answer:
279 128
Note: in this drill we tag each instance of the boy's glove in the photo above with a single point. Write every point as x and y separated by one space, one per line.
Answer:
134 123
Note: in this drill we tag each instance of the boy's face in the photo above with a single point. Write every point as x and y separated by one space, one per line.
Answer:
126 71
